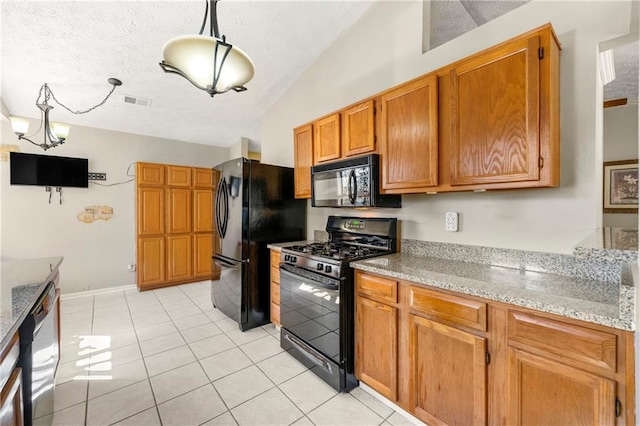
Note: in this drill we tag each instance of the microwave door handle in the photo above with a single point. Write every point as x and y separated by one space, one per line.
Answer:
353 189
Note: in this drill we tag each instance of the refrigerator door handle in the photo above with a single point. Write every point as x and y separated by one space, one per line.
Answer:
225 191
223 262
217 209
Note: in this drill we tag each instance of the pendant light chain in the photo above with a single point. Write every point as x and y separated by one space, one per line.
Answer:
49 94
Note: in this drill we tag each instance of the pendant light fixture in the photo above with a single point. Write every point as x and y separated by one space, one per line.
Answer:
54 133
208 61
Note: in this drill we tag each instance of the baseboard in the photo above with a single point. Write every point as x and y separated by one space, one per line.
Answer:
68 296
390 404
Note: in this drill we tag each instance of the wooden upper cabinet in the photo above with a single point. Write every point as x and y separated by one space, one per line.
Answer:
545 392
178 210
202 210
495 105
150 209
326 143
358 135
302 160
202 178
150 174
178 176
409 136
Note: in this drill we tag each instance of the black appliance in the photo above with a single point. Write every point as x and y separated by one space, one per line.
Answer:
48 170
350 183
39 355
254 206
317 295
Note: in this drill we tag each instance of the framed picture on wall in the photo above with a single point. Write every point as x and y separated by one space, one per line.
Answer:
621 186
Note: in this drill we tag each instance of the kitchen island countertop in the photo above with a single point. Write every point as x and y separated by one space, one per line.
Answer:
21 284
600 302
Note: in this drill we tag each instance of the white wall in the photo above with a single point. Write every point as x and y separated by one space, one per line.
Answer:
383 49
620 143
96 255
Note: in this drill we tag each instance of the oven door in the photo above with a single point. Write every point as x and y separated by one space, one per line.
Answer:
310 309
349 187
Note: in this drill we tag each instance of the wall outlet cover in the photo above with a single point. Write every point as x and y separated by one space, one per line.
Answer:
451 221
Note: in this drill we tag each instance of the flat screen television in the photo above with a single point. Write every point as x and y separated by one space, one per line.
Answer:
48 170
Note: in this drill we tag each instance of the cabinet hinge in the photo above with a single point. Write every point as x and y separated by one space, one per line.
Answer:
487 357
374 111
540 163
618 408
540 52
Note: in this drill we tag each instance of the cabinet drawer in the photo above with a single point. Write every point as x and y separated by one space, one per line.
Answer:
275 258
275 293
378 288
275 275
453 309
572 342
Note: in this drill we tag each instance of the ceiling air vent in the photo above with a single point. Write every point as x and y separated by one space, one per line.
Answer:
128 99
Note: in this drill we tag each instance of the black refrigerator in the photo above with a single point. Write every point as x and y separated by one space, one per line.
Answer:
254 206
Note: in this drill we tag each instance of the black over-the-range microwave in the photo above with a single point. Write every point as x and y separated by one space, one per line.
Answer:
350 183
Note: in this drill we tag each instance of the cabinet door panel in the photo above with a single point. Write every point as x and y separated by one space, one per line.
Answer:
302 160
150 211
178 176
544 392
151 261
202 210
326 144
179 257
149 174
449 370
178 210
495 116
202 178
376 346
359 131
409 135
202 254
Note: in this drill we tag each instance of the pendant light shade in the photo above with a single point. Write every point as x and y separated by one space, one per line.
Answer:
200 58
208 62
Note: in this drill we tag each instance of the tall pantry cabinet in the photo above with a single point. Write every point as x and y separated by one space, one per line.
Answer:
174 225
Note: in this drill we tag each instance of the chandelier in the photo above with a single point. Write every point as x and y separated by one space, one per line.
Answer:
54 133
209 62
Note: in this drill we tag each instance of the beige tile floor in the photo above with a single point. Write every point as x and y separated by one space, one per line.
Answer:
167 357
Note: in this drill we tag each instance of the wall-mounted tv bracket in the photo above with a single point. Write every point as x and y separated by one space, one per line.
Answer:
59 191
97 176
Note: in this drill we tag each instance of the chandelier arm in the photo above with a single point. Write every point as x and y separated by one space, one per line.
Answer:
204 20
218 70
214 18
87 110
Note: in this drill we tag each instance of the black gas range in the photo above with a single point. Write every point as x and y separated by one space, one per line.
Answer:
317 294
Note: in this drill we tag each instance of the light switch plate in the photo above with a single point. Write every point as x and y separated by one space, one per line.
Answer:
451 221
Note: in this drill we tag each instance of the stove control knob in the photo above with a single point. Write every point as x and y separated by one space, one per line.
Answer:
327 268
293 259
320 267
287 257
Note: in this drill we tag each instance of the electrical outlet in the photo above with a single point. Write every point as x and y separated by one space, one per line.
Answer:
97 176
131 268
451 221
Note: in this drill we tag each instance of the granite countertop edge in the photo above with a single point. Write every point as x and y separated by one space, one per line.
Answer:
279 246
625 308
28 306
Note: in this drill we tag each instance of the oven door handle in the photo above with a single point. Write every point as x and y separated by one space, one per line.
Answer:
325 286
308 352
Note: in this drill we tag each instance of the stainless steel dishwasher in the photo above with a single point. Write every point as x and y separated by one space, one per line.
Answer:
39 355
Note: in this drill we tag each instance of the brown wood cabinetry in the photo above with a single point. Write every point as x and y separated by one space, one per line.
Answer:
326 141
11 406
302 160
275 287
453 359
358 136
175 225
149 174
409 136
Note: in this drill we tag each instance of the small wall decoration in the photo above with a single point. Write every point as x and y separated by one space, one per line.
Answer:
621 186
93 213
6 149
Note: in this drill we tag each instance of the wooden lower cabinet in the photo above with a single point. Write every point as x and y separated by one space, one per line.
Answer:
275 287
453 359
202 249
546 392
179 257
151 261
11 408
450 374
376 347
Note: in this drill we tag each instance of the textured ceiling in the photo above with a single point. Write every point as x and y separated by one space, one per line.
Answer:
76 46
625 59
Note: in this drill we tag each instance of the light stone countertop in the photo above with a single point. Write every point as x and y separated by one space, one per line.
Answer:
599 302
616 244
21 284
